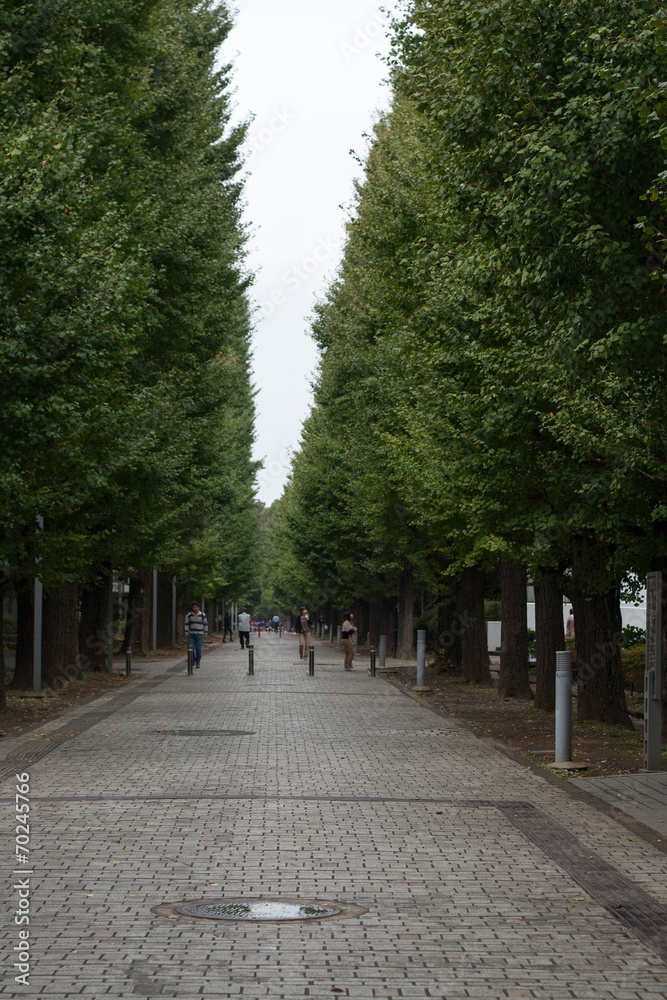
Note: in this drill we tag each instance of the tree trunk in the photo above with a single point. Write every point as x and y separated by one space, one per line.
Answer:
138 623
360 612
597 636
164 592
4 584
25 635
60 646
406 614
93 627
385 623
180 613
661 565
470 625
449 632
379 615
380 622
513 681
549 639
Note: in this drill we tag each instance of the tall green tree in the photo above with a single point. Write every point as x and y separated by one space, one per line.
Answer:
129 414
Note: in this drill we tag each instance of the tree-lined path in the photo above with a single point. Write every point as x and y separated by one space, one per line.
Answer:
478 878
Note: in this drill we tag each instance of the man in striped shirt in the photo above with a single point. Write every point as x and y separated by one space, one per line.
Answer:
196 627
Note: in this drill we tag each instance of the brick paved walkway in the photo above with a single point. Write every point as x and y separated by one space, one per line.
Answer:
642 796
480 880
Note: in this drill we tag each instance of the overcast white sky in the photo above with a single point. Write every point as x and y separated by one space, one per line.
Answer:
309 72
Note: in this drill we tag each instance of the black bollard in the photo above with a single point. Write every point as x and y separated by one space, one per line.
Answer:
128 663
251 659
311 661
372 670
191 661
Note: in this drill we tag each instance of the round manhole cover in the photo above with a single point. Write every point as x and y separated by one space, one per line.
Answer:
236 910
257 910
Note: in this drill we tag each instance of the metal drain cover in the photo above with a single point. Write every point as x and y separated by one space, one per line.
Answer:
202 732
257 910
237 910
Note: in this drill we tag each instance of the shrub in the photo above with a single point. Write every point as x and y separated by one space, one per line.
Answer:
632 660
633 636
492 611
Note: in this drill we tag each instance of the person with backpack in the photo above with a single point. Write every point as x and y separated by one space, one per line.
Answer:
196 627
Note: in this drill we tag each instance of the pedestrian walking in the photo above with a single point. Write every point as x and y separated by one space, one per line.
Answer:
347 642
196 627
227 627
303 627
276 622
244 628
569 626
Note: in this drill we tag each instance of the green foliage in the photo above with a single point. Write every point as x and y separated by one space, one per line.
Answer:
127 407
493 369
492 611
633 661
633 636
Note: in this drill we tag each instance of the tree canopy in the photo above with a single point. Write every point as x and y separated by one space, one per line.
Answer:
127 418
492 372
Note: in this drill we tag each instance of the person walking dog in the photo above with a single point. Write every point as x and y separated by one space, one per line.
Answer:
303 627
244 628
196 627
347 641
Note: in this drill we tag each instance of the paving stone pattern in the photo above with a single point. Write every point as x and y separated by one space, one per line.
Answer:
469 865
642 796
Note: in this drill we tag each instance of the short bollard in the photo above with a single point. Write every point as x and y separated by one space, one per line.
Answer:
383 651
372 670
421 657
421 661
563 707
251 659
339 635
128 663
311 661
191 661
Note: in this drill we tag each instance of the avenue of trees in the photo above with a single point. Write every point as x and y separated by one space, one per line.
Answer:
491 401
127 409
